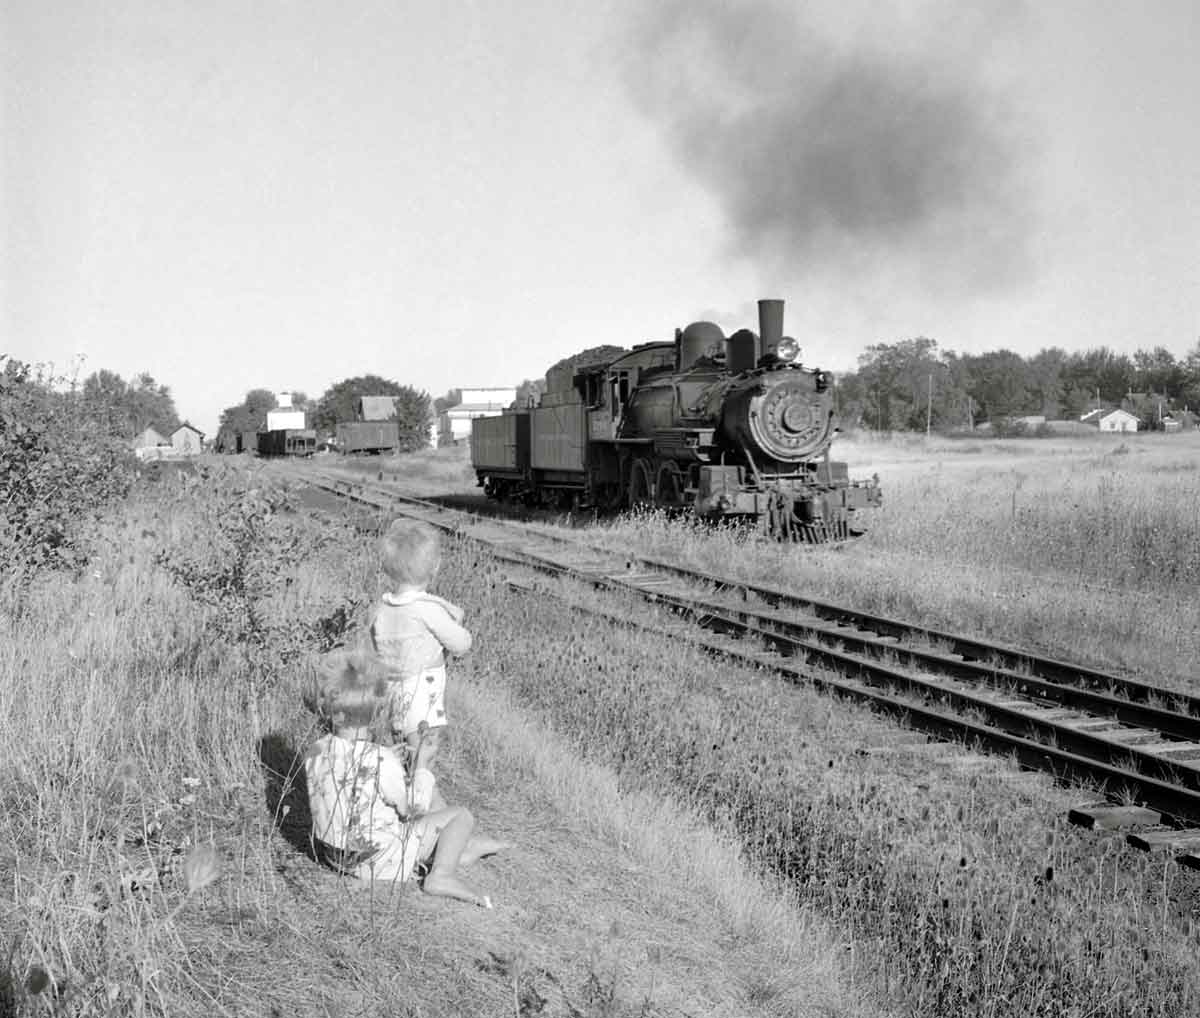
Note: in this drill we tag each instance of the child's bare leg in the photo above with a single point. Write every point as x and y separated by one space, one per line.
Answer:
481 845
454 826
422 748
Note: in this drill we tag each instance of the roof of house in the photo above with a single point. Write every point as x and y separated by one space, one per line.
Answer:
190 427
376 408
1113 413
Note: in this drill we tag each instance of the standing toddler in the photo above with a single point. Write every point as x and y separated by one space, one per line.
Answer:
411 632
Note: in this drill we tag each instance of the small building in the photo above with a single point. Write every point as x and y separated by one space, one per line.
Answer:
454 424
1180 420
186 440
1111 420
149 439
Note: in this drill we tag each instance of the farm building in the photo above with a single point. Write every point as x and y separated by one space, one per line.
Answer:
1111 420
186 440
1180 420
454 425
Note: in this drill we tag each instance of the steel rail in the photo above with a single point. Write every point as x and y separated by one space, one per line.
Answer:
1176 803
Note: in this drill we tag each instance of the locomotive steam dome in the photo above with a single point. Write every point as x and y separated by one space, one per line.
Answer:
700 339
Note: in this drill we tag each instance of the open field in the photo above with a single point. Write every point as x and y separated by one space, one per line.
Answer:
692 838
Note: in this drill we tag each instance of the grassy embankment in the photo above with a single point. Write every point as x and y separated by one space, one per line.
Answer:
153 841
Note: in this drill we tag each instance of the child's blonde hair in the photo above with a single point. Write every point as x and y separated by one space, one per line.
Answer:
348 688
410 553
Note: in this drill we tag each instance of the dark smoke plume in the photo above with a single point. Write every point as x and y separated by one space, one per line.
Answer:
867 153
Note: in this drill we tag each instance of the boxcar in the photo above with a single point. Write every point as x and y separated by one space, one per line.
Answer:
368 436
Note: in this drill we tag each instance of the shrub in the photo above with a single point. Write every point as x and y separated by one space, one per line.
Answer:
56 473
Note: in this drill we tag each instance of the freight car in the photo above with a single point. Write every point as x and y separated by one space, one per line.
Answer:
722 428
371 437
287 442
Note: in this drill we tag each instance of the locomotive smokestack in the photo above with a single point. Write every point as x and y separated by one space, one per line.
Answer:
770 325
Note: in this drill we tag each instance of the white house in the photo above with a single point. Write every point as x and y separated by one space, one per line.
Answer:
186 440
1111 420
454 425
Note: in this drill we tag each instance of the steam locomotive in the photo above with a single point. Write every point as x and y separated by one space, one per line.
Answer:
723 428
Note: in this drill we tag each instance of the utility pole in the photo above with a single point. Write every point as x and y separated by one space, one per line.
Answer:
929 407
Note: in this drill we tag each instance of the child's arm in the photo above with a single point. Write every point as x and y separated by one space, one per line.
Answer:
450 632
454 610
393 783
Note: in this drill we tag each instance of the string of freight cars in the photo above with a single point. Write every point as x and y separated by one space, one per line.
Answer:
1078 724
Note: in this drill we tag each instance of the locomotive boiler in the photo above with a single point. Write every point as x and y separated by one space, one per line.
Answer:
721 427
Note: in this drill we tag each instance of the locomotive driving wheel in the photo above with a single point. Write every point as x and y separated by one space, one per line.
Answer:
668 486
641 492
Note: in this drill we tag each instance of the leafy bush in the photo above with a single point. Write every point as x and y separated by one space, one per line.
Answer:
56 473
235 545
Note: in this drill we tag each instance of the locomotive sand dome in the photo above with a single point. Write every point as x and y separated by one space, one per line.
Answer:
722 428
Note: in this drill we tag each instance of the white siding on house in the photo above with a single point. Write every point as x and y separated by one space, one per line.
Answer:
186 440
454 424
1119 420
285 420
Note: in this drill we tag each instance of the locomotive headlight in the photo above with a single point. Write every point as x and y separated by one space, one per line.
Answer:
787 349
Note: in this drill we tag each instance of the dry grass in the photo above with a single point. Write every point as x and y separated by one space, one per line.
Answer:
154 838
956 879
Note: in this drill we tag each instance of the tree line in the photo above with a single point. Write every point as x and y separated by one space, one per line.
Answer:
911 385
413 409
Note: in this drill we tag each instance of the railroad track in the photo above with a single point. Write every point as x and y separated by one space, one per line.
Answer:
1138 743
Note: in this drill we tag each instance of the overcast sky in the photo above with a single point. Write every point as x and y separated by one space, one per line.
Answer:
282 194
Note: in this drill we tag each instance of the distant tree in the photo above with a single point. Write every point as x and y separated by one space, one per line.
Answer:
1190 387
124 409
443 403
414 409
1099 373
1046 380
529 391
414 415
1000 385
251 413
1157 371
900 386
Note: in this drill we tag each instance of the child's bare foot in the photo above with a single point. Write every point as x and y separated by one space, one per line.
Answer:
452 886
479 846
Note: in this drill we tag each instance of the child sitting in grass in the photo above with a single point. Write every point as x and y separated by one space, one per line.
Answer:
411 631
359 797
